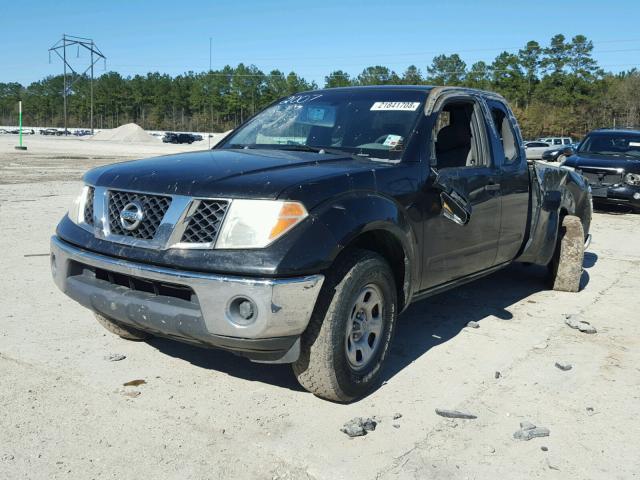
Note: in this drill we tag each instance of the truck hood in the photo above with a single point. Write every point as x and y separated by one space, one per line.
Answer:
584 160
226 173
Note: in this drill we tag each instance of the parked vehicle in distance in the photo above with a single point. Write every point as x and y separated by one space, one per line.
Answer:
610 160
305 232
49 131
171 137
556 141
534 150
558 154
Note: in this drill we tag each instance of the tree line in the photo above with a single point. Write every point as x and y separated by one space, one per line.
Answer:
556 89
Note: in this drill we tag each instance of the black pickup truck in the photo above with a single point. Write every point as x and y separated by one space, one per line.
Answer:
306 232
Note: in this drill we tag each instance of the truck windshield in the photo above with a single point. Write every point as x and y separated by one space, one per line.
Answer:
621 144
372 123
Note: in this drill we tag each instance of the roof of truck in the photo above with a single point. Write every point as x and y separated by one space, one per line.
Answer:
616 130
420 88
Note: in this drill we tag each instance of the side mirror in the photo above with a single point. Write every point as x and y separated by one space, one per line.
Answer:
454 209
568 151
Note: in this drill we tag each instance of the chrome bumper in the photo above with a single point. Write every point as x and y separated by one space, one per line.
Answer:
281 307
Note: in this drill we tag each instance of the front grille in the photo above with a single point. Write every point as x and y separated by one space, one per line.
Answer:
205 223
88 207
154 208
602 178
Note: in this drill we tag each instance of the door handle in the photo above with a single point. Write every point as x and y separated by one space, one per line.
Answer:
492 186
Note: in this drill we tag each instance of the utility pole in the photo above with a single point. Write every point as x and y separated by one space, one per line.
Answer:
64 85
96 55
209 92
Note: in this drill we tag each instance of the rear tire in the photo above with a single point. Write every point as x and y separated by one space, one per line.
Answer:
347 340
122 331
565 268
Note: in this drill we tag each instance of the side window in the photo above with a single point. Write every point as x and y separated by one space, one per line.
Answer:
557 141
505 133
457 140
567 141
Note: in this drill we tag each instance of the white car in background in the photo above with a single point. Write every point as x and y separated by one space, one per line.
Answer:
556 141
535 149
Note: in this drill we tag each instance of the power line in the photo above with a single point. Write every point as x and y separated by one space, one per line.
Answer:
86 43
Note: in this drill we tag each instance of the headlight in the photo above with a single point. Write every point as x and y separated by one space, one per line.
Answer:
76 211
257 223
632 179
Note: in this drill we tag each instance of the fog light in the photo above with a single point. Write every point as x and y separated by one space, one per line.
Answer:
245 309
242 311
636 196
54 265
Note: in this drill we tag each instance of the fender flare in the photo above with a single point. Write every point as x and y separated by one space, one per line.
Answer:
334 226
552 203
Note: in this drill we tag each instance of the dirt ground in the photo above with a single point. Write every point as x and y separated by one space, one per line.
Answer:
205 414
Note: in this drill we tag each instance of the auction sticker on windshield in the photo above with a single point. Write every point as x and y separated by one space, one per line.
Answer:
407 106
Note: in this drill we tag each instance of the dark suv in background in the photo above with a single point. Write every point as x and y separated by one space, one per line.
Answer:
610 160
170 137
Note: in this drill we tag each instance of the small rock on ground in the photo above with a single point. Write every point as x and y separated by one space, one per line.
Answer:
531 433
564 366
497 375
575 321
114 357
396 416
134 383
473 324
443 412
526 426
358 426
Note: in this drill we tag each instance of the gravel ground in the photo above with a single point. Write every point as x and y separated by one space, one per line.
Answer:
207 414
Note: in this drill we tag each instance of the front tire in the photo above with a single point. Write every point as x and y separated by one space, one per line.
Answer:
122 331
565 268
347 341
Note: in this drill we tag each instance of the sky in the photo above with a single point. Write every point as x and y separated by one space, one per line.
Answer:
310 38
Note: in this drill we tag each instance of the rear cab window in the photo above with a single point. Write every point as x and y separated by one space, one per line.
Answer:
506 133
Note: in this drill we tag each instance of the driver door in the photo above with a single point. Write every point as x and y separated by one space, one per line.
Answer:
464 178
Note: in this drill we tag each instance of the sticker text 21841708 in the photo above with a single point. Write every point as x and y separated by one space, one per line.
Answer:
407 106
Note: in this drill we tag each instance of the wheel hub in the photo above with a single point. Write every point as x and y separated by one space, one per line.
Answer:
364 327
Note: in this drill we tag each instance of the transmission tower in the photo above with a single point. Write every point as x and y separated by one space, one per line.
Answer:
68 41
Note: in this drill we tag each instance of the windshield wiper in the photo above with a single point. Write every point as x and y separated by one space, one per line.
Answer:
241 146
301 147
294 147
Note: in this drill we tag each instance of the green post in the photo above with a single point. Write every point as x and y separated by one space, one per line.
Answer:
20 147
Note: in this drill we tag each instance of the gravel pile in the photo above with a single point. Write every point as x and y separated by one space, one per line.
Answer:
129 133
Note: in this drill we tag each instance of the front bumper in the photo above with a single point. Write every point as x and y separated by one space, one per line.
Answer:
190 306
617 195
